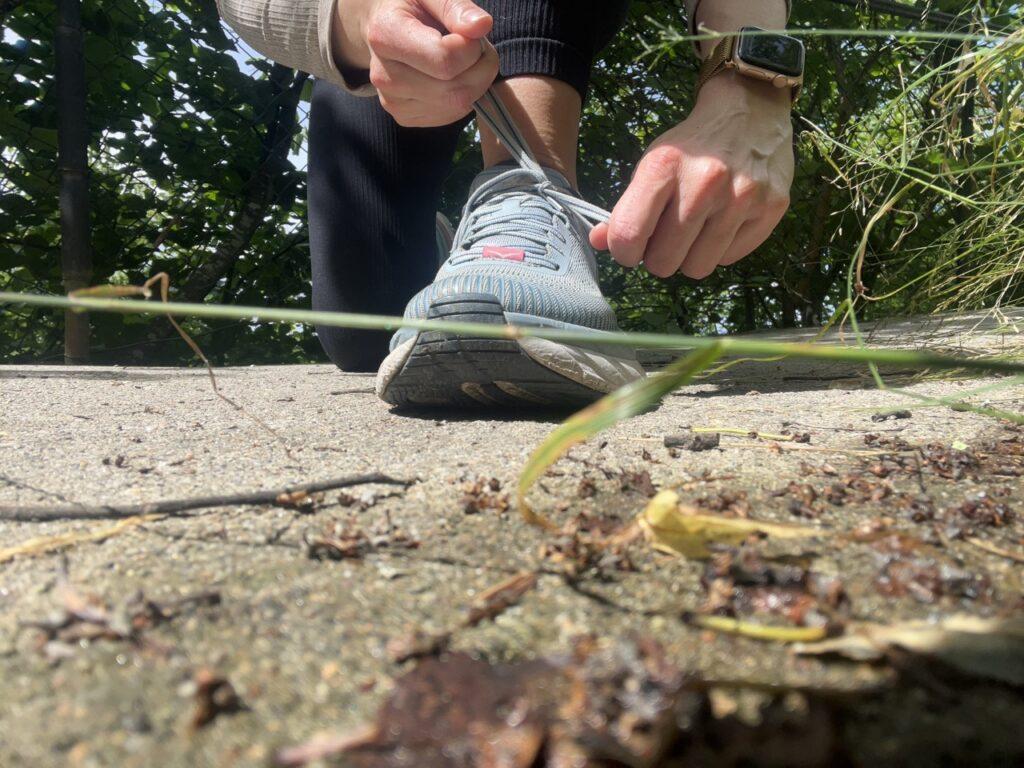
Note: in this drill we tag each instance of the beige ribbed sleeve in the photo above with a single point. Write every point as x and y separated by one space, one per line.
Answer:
296 33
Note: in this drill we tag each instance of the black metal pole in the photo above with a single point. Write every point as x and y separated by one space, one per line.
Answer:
72 160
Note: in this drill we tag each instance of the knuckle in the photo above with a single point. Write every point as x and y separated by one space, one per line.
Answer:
748 192
379 77
714 173
448 67
624 234
662 161
377 31
779 203
449 8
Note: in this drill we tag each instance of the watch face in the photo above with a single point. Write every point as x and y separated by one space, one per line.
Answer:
774 52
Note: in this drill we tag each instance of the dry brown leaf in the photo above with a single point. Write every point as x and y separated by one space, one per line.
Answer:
682 530
989 648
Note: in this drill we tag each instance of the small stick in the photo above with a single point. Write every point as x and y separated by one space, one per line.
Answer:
1008 554
740 432
176 507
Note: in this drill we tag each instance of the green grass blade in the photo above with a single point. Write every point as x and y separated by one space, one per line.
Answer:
624 403
728 345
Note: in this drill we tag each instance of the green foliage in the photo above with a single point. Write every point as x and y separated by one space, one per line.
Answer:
179 147
191 174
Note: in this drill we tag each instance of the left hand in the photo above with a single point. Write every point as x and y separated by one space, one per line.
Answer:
710 190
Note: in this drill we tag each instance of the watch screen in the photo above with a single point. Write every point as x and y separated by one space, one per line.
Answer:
776 53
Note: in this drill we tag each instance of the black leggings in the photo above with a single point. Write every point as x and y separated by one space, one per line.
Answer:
374 186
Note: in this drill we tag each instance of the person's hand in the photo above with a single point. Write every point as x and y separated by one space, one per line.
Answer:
712 189
428 59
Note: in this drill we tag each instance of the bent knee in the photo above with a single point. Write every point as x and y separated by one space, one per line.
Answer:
354 350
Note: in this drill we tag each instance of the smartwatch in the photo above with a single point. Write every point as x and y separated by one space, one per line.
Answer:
768 56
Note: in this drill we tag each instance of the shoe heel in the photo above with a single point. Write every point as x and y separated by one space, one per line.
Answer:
446 369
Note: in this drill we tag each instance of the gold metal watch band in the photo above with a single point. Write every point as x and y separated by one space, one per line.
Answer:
717 62
723 57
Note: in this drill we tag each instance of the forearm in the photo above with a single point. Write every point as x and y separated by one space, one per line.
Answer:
732 15
297 33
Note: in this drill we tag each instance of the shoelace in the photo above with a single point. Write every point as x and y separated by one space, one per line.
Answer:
492 111
487 220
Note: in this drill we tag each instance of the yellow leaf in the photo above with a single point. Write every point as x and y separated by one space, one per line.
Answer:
760 631
623 403
670 529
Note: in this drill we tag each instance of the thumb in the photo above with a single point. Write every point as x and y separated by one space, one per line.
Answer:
599 237
461 17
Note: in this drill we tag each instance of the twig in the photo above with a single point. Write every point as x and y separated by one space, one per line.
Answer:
176 507
986 546
486 606
47 544
740 432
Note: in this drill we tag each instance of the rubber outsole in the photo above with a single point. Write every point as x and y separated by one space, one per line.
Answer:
437 369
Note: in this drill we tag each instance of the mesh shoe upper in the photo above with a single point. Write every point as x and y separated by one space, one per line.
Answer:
519 242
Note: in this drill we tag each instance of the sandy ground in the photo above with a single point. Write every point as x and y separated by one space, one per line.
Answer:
304 642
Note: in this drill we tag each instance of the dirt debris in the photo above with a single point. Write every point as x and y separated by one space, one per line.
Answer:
84 619
214 695
742 582
590 545
483 495
694 442
623 703
346 540
891 415
637 482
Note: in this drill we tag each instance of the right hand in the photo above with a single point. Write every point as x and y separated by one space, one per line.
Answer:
428 59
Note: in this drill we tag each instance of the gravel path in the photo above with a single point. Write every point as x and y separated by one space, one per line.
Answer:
308 644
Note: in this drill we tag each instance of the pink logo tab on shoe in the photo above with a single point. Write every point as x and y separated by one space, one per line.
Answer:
501 252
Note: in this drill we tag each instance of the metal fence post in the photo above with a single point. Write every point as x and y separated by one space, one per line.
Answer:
72 161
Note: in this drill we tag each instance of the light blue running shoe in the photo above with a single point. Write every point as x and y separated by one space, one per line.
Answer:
520 256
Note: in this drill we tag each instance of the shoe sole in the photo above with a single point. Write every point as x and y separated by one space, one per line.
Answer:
439 369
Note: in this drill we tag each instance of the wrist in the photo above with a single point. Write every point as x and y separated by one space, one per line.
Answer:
727 16
348 34
732 91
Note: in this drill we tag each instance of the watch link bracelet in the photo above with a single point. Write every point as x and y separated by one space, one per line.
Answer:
768 56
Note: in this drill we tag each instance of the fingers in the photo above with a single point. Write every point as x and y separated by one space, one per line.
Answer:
676 232
689 215
637 213
397 35
711 245
404 90
460 16
755 231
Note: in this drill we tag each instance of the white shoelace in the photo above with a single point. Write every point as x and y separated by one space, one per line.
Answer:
491 110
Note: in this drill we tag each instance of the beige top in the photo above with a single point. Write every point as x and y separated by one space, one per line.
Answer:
297 33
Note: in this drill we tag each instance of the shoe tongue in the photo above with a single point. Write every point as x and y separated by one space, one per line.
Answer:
507 241
516 177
